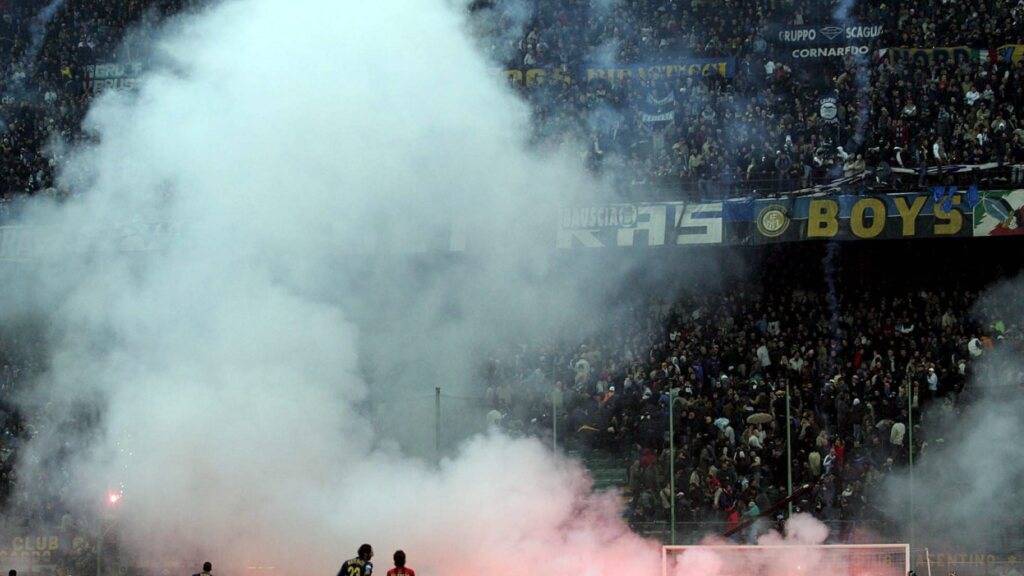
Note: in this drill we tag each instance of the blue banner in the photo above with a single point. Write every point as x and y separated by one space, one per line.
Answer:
941 212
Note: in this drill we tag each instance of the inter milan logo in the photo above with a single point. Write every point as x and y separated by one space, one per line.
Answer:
772 221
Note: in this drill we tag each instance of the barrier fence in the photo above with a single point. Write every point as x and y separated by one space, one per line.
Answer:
65 553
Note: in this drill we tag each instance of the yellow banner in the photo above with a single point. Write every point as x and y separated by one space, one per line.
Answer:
932 57
692 67
1011 53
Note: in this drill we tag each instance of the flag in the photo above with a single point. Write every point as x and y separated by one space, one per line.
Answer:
947 205
973 196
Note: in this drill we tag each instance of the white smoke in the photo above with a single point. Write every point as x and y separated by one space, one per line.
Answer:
500 26
794 551
842 9
38 28
292 148
964 488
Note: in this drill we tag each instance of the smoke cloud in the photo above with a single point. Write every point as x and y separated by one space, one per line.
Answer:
247 384
794 551
300 156
964 488
38 28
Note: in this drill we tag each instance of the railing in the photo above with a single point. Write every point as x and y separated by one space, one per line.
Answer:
990 176
690 532
1004 549
871 180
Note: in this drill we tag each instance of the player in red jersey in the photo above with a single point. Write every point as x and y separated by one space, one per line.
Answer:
400 568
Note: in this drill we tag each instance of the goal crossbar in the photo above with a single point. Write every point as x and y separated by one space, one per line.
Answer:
901 549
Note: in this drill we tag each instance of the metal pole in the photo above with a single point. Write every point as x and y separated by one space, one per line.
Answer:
99 545
554 421
910 453
789 455
99 548
672 460
437 423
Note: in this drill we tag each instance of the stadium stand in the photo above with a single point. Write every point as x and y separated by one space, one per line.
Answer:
850 355
935 98
755 125
673 99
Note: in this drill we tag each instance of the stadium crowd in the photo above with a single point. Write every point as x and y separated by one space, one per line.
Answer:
858 364
863 363
47 49
756 129
48 533
759 130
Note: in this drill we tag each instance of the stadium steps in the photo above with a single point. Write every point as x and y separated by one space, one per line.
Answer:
609 471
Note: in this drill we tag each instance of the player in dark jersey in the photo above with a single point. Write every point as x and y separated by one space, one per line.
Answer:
360 565
400 568
207 570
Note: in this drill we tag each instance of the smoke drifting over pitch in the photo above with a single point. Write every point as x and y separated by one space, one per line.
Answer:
226 370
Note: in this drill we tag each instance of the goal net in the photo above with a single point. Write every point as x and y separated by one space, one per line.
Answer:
787 560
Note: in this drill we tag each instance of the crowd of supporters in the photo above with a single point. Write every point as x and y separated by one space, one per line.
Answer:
863 364
759 130
755 129
730 357
37 525
875 371
20 360
46 50
858 363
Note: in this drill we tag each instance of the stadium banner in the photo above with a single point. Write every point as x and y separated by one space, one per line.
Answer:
531 77
640 225
1000 213
940 212
981 562
1011 53
849 217
30 550
824 41
930 58
111 76
725 67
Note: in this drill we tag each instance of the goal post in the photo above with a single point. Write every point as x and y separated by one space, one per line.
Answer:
786 560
